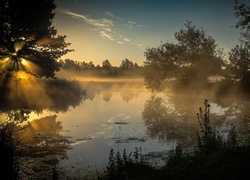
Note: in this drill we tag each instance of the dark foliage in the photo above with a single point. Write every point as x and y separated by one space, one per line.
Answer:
9 153
28 41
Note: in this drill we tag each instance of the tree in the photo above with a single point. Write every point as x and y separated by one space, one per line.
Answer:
242 12
91 65
200 53
194 57
106 64
161 63
28 41
239 56
126 64
239 66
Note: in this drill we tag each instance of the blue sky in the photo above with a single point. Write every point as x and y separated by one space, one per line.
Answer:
119 29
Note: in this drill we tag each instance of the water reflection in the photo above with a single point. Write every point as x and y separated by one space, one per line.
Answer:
41 144
128 88
38 94
164 122
172 116
94 116
42 147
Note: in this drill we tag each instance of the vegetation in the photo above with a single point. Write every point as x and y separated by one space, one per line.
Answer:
28 41
196 56
9 152
193 58
213 158
31 44
126 69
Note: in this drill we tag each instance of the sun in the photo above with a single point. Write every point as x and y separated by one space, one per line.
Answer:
11 58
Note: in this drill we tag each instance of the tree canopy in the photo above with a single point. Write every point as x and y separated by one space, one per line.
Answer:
195 56
28 41
239 56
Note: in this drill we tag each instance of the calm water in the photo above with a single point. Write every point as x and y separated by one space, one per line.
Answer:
78 130
109 117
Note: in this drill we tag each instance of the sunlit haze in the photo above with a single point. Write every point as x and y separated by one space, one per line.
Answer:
117 29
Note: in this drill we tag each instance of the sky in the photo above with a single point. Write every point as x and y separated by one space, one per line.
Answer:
120 29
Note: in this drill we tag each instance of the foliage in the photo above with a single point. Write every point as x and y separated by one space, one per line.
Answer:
242 12
106 64
126 64
124 166
215 158
28 41
194 57
209 140
239 57
126 69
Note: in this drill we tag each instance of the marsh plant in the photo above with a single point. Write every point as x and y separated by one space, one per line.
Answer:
214 157
208 139
119 165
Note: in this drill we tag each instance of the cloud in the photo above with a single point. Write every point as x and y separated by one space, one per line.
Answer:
126 40
109 14
99 23
132 24
106 35
104 27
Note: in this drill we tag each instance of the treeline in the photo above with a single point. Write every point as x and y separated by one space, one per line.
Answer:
126 68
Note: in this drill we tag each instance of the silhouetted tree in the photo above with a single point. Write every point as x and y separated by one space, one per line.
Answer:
194 57
69 64
91 65
126 64
239 56
239 66
28 41
106 64
136 65
242 12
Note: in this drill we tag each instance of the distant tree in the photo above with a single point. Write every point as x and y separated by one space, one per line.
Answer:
91 65
69 64
28 41
126 64
106 64
136 65
194 57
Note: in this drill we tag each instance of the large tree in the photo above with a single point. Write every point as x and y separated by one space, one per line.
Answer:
28 41
195 56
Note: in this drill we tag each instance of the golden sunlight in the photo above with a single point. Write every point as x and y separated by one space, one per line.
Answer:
18 45
22 75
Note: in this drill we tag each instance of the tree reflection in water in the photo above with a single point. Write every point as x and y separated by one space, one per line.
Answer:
41 144
42 147
173 117
165 123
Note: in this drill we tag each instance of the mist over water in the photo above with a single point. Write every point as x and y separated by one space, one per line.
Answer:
76 121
